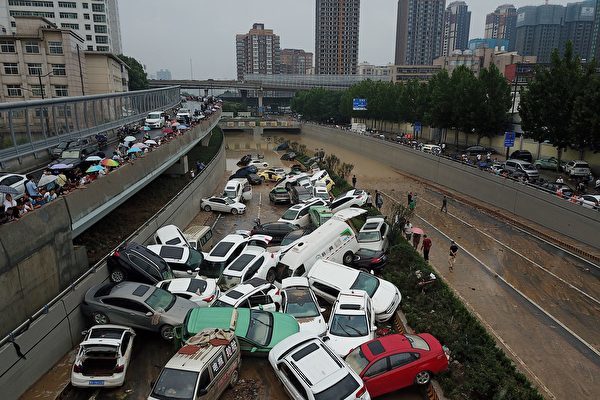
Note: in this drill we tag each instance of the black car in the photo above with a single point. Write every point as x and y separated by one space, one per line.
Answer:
254 179
134 262
277 230
299 194
244 172
524 155
370 260
245 160
474 150
290 155
295 235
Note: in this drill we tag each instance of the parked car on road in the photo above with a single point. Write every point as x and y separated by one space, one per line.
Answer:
374 234
154 120
103 356
135 262
277 230
549 163
474 150
15 181
184 261
577 168
299 300
202 291
352 198
397 361
270 175
171 235
255 260
369 260
521 168
300 194
524 155
56 151
254 179
591 201
222 204
279 195
309 369
299 214
255 293
221 255
259 163
137 305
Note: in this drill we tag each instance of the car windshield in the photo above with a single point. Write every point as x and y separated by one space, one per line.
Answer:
62 145
153 116
260 328
195 259
341 390
175 384
291 237
366 282
70 154
228 200
322 195
417 342
369 236
366 253
528 166
230 193
357 360
300 303
226 282
279 191
211 269
349 325
290 215
160 299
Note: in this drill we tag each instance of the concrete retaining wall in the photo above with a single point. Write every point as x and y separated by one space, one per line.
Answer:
565 218
52 335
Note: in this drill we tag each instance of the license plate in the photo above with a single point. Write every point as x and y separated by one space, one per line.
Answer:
96 383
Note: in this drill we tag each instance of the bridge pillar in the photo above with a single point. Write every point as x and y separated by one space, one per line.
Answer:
205 92
260 103
244 95
204 142
257 132
181 167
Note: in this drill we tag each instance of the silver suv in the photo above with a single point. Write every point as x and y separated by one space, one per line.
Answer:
577 168
521 167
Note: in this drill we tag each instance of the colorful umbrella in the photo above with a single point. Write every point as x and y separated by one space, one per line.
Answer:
46 179
182 126
146 128
151 142
139 146
94 168
167 130
8 190
107 162
417 231
61 166
129 139
93 158
134 150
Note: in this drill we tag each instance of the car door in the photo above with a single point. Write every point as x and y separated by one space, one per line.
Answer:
219 205
377 379
127 312
253 269
247 192
262 301
404 369
384 236
126 346
303 218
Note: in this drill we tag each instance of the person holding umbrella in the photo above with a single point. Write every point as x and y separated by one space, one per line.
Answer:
416 237
9 202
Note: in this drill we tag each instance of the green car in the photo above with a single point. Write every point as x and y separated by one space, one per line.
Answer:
549 163
258 331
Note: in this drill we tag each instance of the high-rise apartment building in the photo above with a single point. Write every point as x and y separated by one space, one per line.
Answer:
96 21
502 24
539 30
258 52
336 37
457 23
595 47
163 75
296 61
419 31
578 27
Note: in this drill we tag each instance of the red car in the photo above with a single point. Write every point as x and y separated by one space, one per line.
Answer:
396 361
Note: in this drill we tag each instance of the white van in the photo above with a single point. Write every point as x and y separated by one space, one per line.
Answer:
199 237
335 241
432 149
171 235
238 189
155 120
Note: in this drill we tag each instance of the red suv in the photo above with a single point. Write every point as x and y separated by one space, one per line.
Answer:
396 361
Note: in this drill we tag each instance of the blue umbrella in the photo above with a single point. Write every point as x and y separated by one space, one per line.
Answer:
94 168
61 166
134 150
182 126
147 128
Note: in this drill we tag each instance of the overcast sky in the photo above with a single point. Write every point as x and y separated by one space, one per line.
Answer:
166 34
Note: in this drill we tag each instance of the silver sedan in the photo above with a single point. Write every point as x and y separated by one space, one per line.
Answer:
222 204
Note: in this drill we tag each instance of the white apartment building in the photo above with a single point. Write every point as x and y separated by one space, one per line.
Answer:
96 21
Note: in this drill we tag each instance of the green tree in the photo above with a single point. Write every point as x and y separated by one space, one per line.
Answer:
586 117
138 80
439 112
547 106
467 94
491 117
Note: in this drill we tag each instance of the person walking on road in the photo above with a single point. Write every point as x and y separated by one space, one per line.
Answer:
410 196
408 230
354 181
452 256
444 205
378 200
426 246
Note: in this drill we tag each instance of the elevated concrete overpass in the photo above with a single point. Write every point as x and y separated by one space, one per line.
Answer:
258 126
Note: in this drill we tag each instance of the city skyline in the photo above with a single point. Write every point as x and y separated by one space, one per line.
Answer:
200 32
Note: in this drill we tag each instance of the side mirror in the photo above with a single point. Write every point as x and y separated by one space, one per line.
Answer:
83 333
253 350
149 314
373 329
322 309
325 338
197 269
189 271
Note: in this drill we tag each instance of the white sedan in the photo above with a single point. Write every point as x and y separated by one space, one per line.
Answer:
103 357
222 204
259 163
202 291
300 301
15 181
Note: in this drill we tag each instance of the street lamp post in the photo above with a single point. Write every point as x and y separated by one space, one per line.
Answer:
40 76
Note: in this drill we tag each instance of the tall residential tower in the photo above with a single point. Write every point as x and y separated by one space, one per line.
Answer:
419 31
336 37
457 23
502 24
258 52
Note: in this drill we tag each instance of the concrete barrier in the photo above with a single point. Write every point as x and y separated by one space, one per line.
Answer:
53 334
563 217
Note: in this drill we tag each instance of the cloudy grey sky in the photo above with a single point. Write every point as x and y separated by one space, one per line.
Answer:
166 34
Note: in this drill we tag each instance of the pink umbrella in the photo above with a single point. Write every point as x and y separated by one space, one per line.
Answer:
417 231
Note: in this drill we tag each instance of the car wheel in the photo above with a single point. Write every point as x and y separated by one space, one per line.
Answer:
234 211
234 378
167 332
348 257
423 378
100 318
271 275
117 275
206 208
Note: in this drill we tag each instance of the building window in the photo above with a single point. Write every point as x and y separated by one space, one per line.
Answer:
101 48
32 47
28 3
38 90
100 29
11 69
61 90
99 18
67 15
88 27
7 46
55 47
16 13
97 7
14 91
90 48
85 5
70 26
67 4
86 16
88 37
34 69
102 39
59 70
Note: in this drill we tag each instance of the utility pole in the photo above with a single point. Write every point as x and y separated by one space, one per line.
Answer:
191 71
40 76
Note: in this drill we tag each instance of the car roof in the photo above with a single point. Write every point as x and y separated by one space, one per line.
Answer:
295 281
387 344
140 291
195 357
351 302
372 224
179 285
232 238
243 290
175 254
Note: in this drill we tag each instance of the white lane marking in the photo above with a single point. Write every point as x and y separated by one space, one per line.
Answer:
520 255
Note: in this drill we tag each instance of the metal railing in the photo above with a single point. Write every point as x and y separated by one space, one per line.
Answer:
27 127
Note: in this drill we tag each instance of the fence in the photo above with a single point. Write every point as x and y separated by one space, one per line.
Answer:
27 127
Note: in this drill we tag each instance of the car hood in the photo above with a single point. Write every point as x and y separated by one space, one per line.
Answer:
177 313
315 325
284 325
384 297
343 345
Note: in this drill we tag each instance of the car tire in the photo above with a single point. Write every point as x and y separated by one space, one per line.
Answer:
100 318
235 376
234 211
348 258
423 378
117 275
167 332
207 208
271 275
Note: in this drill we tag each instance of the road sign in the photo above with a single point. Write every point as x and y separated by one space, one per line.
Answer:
359 104
509 139
417 127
